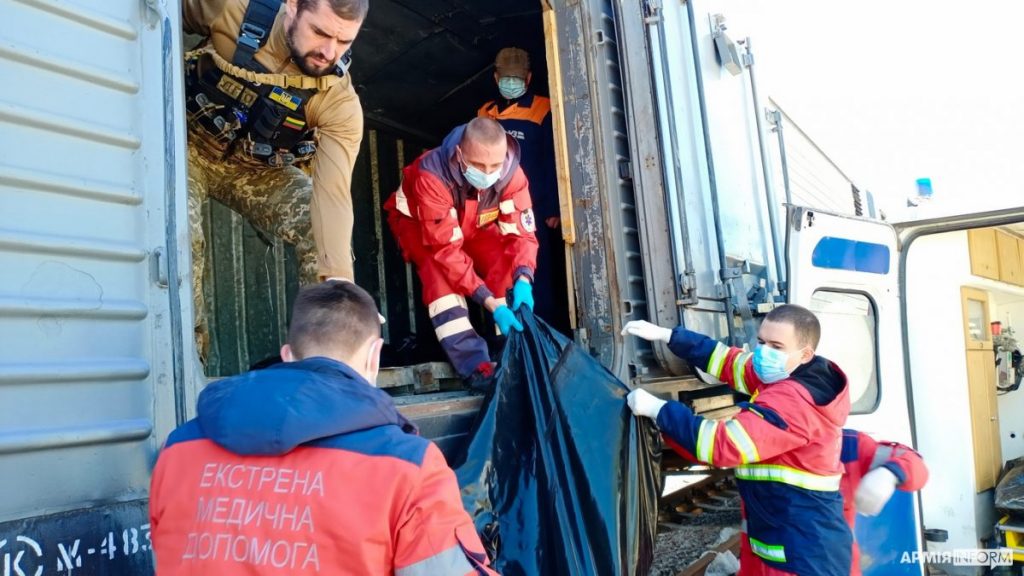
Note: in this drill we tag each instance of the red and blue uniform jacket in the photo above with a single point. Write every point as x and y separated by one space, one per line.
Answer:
450 212
305 468
528 120
862 454
784 447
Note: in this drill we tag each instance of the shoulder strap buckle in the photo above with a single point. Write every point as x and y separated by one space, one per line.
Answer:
251 35
256 24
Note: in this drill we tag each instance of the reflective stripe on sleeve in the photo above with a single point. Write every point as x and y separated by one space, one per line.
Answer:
445 303
450 561
739 373
743 442
706 440
453 327
882 455
717 360
402 203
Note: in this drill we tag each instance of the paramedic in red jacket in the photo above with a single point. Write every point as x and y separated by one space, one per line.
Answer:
872 471
784 445
307 468
463 216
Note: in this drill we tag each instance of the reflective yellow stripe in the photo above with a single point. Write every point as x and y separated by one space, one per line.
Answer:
507 207
787 475
739 437
767 551
717 359
456 235
706 440
738 372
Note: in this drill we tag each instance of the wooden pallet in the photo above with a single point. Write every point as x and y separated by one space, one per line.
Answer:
419 379
715 401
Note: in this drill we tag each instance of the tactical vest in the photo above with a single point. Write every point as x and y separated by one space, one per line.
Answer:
261 121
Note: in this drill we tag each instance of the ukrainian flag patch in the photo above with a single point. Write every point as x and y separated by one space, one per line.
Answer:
285 99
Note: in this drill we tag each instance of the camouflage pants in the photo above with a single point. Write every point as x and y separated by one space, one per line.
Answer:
275 200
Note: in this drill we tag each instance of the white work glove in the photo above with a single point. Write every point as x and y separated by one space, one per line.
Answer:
876 487
647 331
643 403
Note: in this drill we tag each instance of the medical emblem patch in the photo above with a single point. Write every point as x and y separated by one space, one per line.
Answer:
529 222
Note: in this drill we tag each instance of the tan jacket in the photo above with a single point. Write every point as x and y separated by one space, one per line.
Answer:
336 114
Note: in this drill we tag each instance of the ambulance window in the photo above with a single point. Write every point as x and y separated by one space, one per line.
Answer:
849 338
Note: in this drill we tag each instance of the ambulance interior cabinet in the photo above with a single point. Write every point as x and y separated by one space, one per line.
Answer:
981 384
984 253
1009 258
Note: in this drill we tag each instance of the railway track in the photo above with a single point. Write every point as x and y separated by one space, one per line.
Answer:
696 521
714 493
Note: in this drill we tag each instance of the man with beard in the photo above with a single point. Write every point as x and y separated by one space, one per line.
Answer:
267 95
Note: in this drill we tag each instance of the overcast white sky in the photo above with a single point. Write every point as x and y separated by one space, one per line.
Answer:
901 89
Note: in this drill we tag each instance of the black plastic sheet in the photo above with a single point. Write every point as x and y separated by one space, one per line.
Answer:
557 474
1010 490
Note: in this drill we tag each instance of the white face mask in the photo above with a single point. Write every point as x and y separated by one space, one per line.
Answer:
478 178
511 87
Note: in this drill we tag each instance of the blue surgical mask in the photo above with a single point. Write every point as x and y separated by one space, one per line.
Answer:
770 364
479 179
511 87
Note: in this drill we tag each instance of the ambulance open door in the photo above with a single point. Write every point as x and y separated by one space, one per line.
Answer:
845 269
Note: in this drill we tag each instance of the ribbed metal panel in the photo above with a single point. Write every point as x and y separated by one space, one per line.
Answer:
81 209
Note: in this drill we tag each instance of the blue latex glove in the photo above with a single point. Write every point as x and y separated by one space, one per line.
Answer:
522 293
506 320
